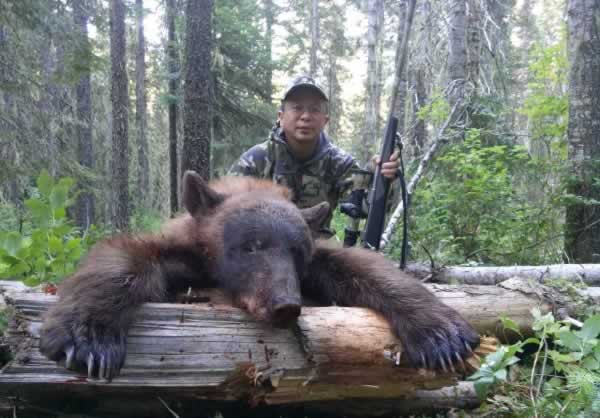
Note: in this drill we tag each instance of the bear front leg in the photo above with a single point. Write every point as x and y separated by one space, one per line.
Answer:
87 327
432 334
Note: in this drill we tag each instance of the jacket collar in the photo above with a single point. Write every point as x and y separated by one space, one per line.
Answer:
278 137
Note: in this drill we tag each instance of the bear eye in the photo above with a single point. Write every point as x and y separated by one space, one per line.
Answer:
252 247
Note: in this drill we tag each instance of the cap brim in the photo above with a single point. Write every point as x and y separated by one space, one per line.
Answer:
306 86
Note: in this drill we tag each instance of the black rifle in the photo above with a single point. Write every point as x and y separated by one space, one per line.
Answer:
379 190
369 199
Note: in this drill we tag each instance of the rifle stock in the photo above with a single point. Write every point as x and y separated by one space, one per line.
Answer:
379 190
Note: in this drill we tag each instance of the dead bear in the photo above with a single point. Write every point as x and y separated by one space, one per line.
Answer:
243 235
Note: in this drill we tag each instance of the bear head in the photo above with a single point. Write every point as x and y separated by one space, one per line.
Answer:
258 243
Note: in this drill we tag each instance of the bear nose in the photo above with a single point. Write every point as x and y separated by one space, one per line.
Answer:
286 311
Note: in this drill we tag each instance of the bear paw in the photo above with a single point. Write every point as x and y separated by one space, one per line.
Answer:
96 350
442 342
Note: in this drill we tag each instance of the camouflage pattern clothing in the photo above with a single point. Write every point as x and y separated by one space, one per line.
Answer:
323 177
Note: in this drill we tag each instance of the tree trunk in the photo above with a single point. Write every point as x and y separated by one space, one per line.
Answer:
457 45
576 273
44 105
216 352
210 351
174 75
85 211
335 105
399 101
582 235
269 22
120 111
399 89
143 171
370 129
419 99
197 89
314 37
474 42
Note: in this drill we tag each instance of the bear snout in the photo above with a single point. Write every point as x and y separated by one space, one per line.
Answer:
286 310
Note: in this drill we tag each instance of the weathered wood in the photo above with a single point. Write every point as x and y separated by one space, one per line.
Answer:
216 352
578 273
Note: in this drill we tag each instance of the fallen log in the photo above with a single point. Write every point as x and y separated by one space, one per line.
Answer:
211 351
588 274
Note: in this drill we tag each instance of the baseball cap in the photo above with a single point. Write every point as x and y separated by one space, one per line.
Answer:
303 81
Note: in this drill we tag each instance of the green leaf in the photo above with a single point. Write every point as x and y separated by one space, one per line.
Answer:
45 183
40 211
55 244
40 265
501 374
482 387
31 281
58 197
508 323
12 242
591 328
591 363
570 340
18 269
67 183
60 213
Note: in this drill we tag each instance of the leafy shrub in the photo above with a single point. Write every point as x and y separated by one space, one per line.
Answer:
52 248
561 378
472 209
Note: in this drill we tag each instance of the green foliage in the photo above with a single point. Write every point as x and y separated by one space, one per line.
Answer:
146 221
547 104
52 247
471 211
436 111
562 375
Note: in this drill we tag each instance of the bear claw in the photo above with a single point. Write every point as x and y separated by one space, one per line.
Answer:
69 354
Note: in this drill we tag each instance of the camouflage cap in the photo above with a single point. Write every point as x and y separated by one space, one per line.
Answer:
303 81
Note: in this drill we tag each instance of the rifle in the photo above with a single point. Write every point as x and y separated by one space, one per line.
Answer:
379 190
376 198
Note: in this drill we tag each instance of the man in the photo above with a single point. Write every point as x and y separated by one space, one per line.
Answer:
299 155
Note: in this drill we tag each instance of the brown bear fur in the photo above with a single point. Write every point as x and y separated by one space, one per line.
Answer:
243 235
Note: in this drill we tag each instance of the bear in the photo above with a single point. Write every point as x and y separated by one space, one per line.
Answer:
245 236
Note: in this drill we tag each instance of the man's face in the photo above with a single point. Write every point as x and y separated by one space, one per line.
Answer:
303 117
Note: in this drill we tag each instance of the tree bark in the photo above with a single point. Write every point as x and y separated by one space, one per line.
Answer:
197 88
269 22
216 352
419 99
398 99
85 210
582 237
474 42
174 75
457 45
576 273
211 351
370 128
314 37
143 171
120 113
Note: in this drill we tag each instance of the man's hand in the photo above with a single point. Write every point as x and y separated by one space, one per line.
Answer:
389 170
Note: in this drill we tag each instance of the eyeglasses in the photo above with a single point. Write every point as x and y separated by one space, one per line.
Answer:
298 109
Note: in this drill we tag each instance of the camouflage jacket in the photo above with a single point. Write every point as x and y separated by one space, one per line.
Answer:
324 177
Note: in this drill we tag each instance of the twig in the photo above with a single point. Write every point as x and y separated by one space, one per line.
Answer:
544 362
167 406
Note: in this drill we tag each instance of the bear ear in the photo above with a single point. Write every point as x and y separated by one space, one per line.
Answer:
316 215
198 197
